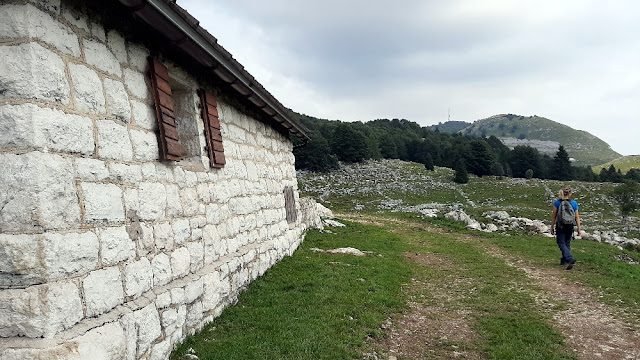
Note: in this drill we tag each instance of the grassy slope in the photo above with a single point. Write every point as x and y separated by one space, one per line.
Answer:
624 163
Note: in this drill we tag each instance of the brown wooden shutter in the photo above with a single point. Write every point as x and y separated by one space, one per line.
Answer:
290 204
209 106
170 148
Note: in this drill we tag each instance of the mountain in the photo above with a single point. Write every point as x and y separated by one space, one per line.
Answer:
449 126
545 135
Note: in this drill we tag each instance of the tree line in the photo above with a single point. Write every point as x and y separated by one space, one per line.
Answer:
335 141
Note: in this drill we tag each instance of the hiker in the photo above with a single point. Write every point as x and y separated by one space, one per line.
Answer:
565 216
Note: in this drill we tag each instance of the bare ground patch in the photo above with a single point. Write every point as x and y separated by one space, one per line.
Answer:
424 330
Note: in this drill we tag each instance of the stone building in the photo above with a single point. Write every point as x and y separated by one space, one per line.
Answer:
146 177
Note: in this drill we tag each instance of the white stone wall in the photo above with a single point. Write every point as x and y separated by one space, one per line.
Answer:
106 252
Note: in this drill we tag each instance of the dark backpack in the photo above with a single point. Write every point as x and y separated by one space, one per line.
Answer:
566 214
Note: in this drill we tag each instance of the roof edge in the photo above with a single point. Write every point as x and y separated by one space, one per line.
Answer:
183 31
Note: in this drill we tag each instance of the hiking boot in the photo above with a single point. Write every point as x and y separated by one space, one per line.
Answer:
571 263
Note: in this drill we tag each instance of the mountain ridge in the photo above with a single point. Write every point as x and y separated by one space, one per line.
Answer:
543 134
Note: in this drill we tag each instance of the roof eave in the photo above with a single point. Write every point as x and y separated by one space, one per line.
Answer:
183 31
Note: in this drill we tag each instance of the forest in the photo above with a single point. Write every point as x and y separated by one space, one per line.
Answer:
334 141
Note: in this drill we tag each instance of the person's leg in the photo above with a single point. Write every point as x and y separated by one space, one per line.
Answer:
563 239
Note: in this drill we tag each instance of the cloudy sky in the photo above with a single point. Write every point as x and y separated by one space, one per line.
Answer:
574 62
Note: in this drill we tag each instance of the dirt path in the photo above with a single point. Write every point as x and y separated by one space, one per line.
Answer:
592 329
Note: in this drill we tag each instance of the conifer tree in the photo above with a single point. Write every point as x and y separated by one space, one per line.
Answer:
561 167
461 176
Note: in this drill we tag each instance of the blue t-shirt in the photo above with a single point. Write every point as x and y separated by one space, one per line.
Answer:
574 204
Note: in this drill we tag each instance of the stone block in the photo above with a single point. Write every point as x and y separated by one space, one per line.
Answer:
177 296
51 6
153 201
144 115
215 288
193 290
103 290
97 31
117 100
137 56
146 242
138 277
180 262
102 202
189 200
163 235
115 245
169 318
116 43
194 317
128 324
20 264
148 324
28 125
161 266
27 21
131 200
164 172
39 311
98 55
32 72
91 169
125 172
75 18
163 301
88 93
136 83
113 141
149 171
69 254
174 205
161 350
181 230
145 145
107 342
64 307
196 252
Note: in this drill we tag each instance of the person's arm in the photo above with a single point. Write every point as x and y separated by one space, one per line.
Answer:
578 221
553 220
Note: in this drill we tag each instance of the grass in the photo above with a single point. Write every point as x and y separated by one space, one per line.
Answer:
312 305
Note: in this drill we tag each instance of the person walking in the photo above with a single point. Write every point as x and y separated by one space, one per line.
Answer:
565 217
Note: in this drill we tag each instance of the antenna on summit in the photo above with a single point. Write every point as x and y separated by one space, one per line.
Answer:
449 116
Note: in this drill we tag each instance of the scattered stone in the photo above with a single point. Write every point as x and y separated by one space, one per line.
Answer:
333 223
347 251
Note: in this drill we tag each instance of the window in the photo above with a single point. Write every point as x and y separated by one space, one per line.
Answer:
177 113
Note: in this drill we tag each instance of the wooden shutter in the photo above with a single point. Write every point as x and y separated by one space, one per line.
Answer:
209 106
290 204
170 148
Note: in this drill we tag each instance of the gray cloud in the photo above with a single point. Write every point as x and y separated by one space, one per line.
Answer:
575 62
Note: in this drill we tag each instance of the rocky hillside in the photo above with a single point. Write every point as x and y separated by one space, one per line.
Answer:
545 135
